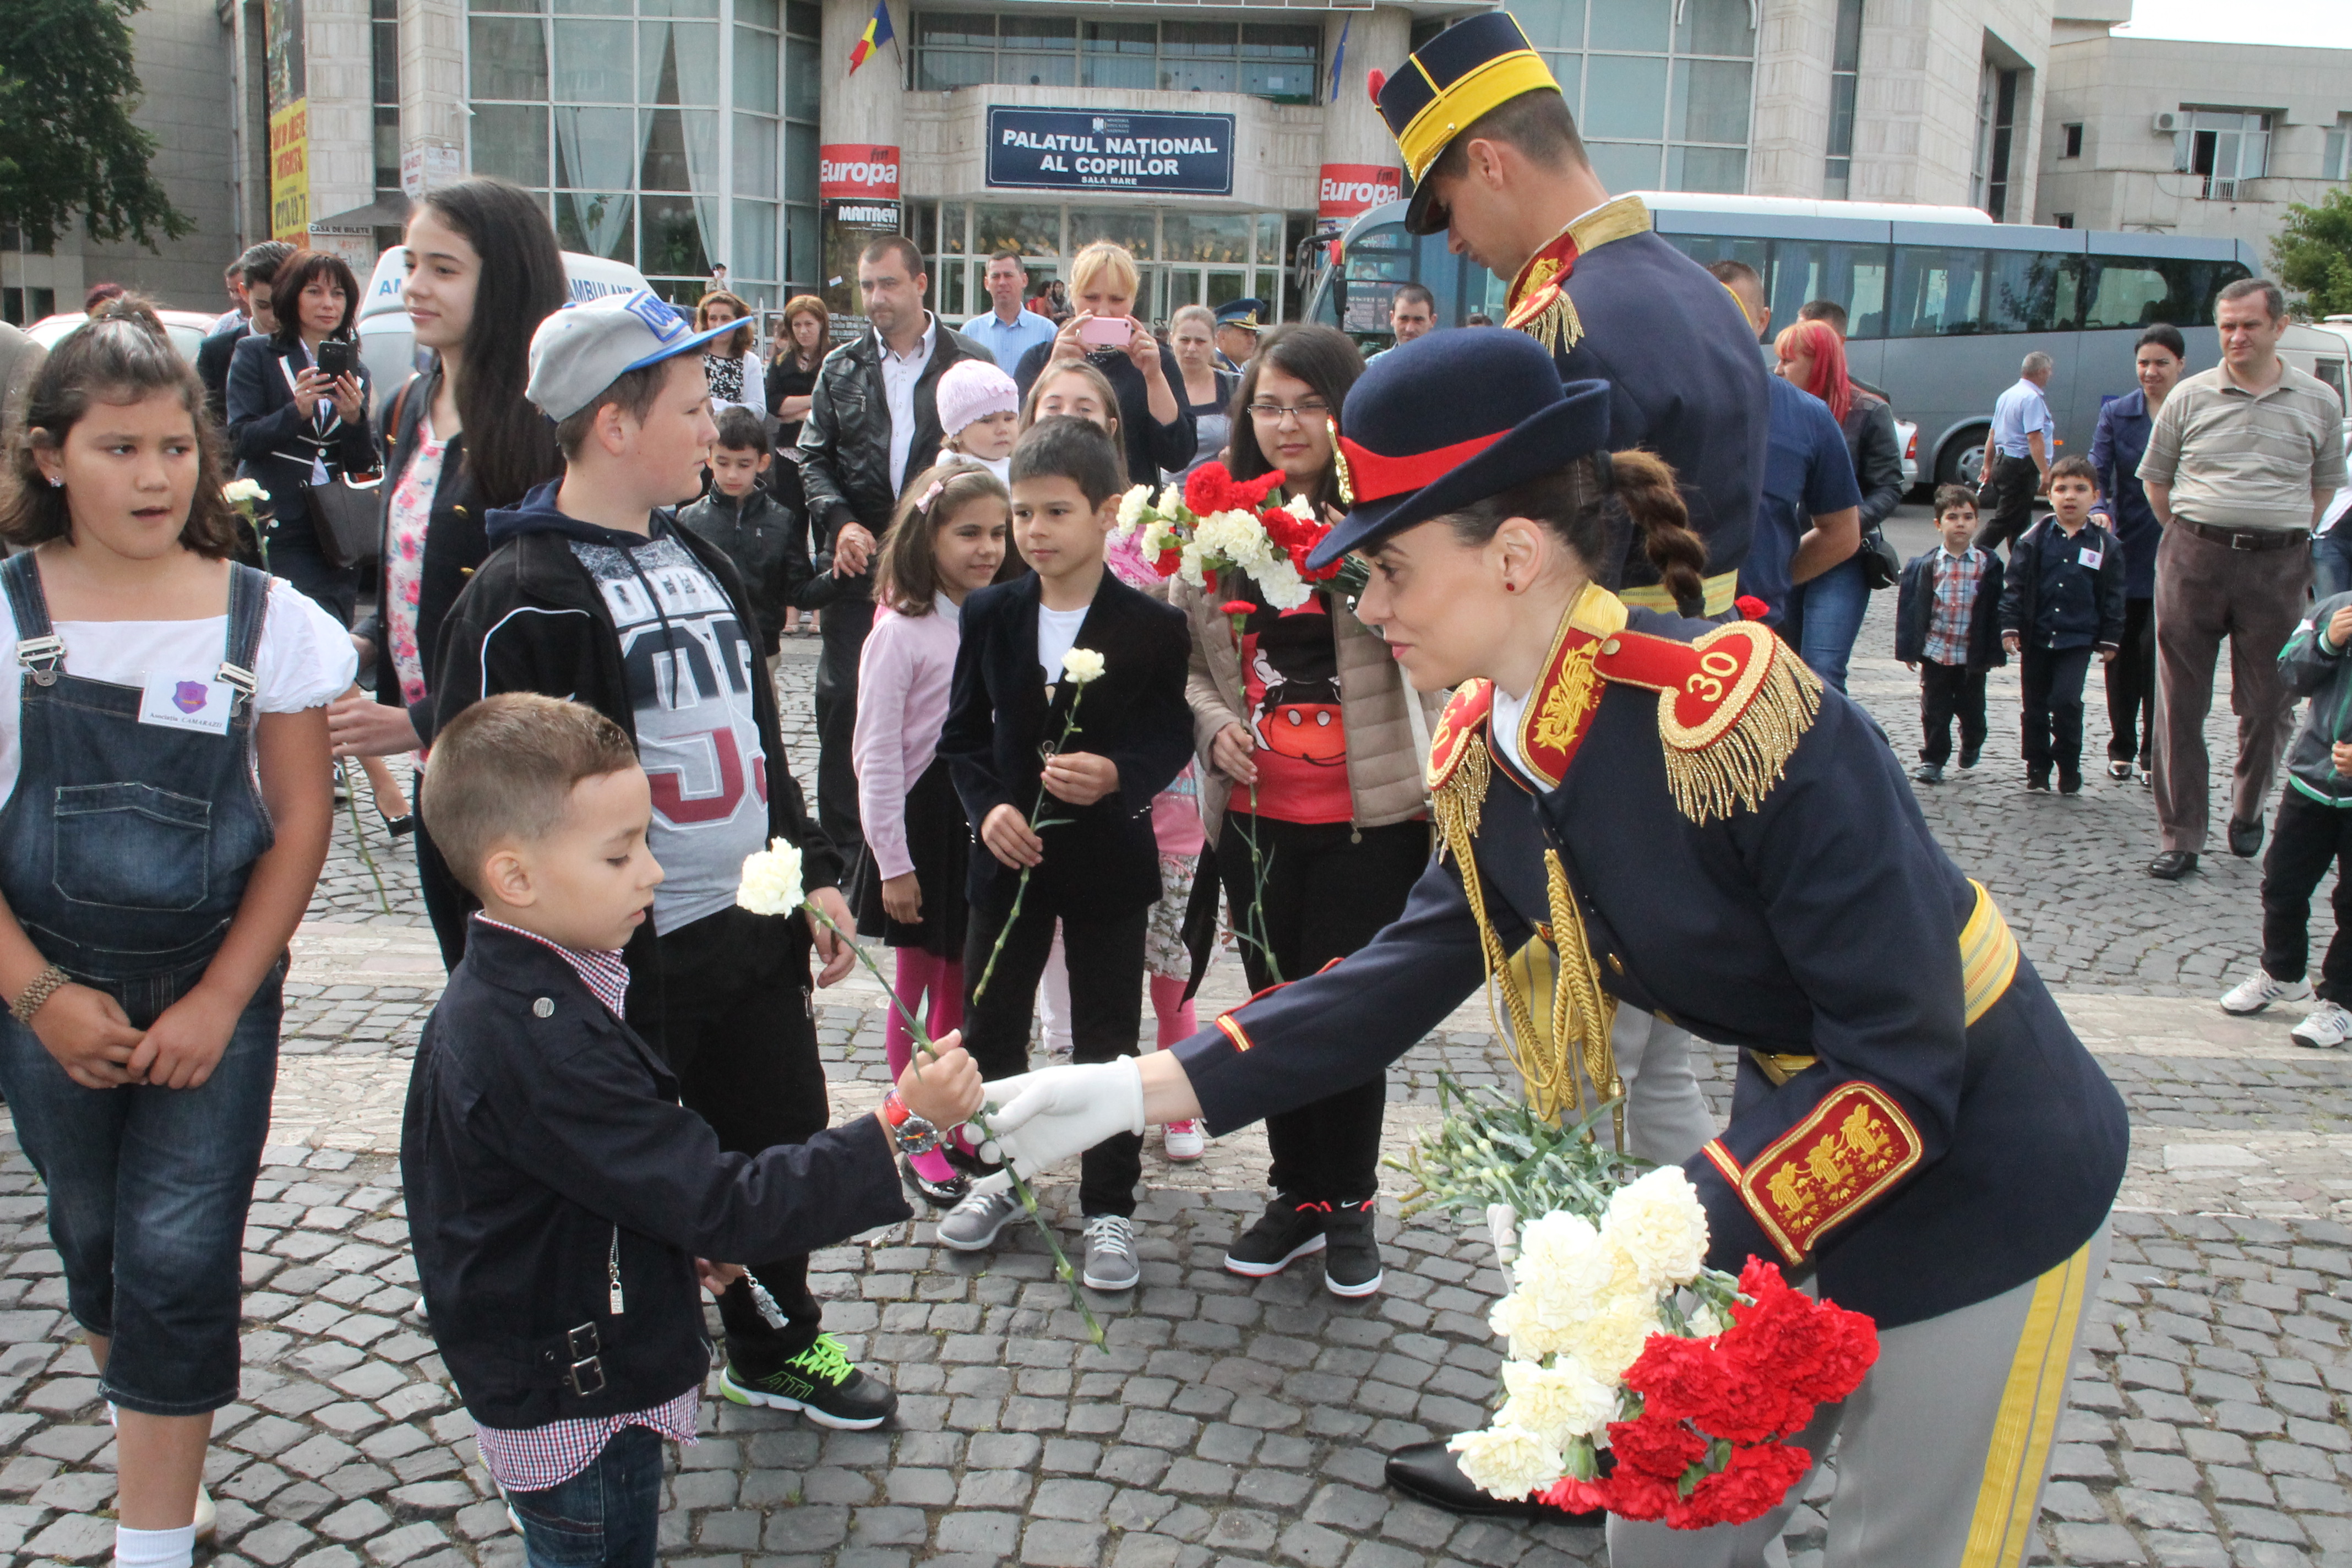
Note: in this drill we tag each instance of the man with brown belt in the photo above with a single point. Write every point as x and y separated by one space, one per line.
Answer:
2239 466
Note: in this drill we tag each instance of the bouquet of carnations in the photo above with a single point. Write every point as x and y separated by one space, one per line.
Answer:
1217 523
1639 1381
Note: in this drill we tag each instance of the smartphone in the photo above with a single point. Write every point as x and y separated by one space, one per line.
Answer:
336 357
1106 331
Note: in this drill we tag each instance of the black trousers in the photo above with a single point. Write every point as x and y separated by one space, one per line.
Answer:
2052 681
738 1030
1329 889
2006 498
844 627
1949 691
1106 958
2131 687
2307 840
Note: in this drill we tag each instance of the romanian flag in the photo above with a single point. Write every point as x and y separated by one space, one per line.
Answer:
877 33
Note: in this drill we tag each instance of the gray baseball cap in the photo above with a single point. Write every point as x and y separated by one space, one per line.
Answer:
582 349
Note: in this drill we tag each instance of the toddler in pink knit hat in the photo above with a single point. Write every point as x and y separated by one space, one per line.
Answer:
978 406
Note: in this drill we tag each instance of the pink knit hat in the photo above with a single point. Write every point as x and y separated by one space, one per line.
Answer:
973 389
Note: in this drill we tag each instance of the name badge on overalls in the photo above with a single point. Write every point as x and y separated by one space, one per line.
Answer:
201 705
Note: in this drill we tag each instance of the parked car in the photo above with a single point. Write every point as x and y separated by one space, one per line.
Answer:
188 330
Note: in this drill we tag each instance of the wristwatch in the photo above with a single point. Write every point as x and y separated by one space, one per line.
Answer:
914 1134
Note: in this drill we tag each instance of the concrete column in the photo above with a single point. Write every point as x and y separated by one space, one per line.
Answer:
1790 127
433 76
1378 39
341 71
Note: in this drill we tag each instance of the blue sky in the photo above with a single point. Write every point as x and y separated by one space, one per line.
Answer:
2306 22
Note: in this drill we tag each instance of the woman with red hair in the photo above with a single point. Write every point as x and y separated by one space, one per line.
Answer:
1826 612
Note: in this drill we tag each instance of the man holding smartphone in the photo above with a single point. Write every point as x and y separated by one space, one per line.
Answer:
873 421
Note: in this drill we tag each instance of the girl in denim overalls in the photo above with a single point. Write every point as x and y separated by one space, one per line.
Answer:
164 771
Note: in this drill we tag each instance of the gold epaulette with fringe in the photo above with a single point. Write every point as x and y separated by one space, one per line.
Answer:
1731 708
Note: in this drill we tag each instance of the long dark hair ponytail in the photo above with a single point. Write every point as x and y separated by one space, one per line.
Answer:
1574 503
509 445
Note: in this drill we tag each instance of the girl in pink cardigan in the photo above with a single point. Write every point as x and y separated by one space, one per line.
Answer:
947 542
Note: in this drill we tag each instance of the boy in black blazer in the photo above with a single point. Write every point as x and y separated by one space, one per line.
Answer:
2062 604
1009 742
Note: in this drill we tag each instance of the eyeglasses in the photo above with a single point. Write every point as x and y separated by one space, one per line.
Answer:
1275 414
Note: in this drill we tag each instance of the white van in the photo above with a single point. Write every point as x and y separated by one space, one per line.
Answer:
389 350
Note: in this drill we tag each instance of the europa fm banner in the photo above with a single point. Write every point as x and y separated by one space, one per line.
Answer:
857 171
1347 190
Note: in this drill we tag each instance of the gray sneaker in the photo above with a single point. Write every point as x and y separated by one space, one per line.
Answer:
1111 1263
971 1225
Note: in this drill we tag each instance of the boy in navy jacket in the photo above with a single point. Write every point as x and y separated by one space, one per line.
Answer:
1947 626
558 1196
2063 600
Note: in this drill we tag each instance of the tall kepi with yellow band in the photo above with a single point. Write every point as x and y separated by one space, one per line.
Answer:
1496 158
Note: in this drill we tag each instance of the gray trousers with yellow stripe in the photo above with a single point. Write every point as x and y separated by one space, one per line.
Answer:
1944 1450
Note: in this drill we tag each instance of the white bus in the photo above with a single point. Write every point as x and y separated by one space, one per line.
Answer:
1941 303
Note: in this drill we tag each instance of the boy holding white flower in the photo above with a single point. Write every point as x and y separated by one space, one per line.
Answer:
561 1199
593 592
1071 667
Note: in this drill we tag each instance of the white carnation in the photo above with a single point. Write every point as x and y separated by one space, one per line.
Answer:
771 879
1575 1293
1081 664
1299 507
240 490
1192 566
1608 1339
1657 1225
1508 1462
1130 507
1279 581
1558 1403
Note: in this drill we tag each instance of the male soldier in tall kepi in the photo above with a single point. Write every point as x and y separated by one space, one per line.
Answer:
1589 277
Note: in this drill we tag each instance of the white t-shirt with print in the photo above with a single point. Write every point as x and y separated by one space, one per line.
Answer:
305 660
689 668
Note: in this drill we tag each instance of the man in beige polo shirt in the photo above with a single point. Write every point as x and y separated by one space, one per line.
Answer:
2239 466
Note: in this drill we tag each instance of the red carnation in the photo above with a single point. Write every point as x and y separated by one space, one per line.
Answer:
1211 489
1655 1445
1170 560
1237 608
1636 1495
1722 1394
1575 1496
1752 1485
1813 1352
1752 608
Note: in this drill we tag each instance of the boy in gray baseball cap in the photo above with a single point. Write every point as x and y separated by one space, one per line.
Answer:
593 592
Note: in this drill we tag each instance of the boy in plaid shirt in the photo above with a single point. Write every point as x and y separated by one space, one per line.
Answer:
1947 626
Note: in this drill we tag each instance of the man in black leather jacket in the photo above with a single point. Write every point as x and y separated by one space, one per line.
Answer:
872 424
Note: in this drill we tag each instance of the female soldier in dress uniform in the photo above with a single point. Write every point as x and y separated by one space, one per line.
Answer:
1694 827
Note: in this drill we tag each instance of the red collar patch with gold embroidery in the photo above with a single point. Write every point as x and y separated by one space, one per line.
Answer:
1854 1147
1465 716
1539 282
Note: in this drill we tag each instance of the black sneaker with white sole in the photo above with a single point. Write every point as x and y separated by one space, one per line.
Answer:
1290 1230
821 1383
1352 1258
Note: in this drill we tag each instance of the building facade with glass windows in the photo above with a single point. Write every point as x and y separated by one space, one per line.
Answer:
1217 142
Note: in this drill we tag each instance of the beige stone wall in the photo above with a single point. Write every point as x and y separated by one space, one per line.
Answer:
340 68
2113 87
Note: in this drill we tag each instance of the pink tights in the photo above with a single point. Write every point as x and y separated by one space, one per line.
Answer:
918 972
1173 1013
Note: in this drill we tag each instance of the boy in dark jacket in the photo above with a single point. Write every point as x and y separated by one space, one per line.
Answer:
1947 626
758 533
559 1197
592 592
2063 600
1095 867
2314 832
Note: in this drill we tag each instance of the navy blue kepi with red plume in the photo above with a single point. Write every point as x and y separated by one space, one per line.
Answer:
1452 417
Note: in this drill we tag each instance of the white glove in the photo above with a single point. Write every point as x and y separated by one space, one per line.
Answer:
1042 1119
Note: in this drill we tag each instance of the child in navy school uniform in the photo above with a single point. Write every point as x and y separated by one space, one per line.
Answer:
2064 601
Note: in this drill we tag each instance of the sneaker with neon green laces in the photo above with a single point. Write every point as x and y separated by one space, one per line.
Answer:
821 1383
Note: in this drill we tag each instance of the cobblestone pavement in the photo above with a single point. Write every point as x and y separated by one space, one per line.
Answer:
1231 1422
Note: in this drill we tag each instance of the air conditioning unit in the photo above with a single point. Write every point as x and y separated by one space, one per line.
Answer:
2167 122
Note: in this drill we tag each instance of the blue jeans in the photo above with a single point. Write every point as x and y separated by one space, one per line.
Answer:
2331 562
1831 608
607 1516
148 1189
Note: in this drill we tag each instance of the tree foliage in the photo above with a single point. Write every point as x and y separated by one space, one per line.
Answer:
2313 254
68 143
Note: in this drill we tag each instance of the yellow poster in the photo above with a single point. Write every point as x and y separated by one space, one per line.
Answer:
289 173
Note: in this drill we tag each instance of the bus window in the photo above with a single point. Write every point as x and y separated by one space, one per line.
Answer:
1704 249
1854 276
2031 291
1939 292
1377 261
2139 291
